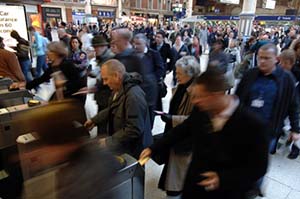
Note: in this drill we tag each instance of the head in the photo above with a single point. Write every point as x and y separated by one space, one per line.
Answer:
233 43
100 44
287 59
159 37
75 43
178 39
196 40
56 50
187 67
112 73
267 58
14 34
208 90
297 48
140 42
120 39
61 32
2 45
31 29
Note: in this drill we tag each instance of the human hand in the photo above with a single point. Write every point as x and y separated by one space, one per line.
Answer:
166 117
211 182
145 156
294 136
89 124
102 142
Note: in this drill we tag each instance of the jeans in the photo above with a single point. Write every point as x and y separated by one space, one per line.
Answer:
40 65
25 66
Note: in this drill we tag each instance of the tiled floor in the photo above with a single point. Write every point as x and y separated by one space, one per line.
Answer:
281 182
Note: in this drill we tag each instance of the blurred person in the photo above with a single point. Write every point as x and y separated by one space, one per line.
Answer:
66 76
9 65
287 61
154 71
86 38
64 37
195 48
78 166
22 51
177 159
39 47
78 56
48 30
270 93
214 126
288 40
127 116
186 37
180 50
217 55
203 36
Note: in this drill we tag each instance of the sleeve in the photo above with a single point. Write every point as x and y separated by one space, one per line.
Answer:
294 108
37 81
101 117
255 161
15 68
159 66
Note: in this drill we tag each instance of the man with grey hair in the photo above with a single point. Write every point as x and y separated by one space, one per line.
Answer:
127 116
154 71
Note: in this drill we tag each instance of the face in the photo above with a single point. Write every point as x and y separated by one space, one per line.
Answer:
178 40
112 80
286 64
117 43
181 76
159 38
201 98
139 45
100 50
75 44
266 60
52 56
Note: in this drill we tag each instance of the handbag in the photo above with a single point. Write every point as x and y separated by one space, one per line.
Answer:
161 157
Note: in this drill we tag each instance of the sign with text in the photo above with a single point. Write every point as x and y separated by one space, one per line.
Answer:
230 1
12 18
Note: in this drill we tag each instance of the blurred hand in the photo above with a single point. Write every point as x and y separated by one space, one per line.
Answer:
16 85
102 142
166 117
145 156
89 124
294 136
211 182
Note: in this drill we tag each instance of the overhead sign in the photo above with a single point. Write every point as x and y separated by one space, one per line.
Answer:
12 18
221 17
230 1
275 18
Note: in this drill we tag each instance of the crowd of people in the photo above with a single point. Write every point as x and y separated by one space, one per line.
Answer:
216 140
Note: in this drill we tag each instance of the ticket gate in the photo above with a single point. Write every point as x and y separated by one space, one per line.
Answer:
12 98
5 83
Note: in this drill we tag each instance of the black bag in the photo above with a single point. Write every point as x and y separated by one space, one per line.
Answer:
163 156
162 89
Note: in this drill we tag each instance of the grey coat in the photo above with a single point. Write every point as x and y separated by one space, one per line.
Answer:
127 119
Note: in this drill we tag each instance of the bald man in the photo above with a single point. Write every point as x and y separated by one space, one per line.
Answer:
127 116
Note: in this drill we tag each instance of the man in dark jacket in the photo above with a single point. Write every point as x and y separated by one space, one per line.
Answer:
165 51
270 92
127 116
225 164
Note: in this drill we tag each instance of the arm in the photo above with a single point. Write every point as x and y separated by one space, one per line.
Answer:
294 109
158 65
37 81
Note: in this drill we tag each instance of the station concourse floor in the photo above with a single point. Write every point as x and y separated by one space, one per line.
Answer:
282 180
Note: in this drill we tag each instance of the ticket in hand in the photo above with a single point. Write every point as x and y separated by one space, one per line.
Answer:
143 161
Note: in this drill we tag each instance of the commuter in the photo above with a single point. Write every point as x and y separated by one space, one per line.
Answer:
203 35
195 48
127 117
39 47
154 71
178 157
9 65
22 51
218 56
78 56
223 165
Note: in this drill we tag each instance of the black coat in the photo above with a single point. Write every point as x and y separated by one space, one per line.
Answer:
286 103
166 53
238 153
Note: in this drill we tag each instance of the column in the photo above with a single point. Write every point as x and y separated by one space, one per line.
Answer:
88 8
119 11
246 18
189 8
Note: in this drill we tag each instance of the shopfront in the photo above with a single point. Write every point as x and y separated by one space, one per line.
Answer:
78 16
52 15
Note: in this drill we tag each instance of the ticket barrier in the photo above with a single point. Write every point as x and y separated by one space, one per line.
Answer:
16 97
5 83
57 116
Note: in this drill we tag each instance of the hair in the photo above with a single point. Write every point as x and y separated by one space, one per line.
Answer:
162 33
297 45
213 79
31 28
1 39
189 65
114 65
289 55
124 33
58 48
79 41
269 46
14 34
140 36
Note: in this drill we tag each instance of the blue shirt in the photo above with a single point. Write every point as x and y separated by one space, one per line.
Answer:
263 94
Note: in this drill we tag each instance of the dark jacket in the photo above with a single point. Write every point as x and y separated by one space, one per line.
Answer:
154 72
286 103
165 53
238 153
178 55
127 119
69 70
